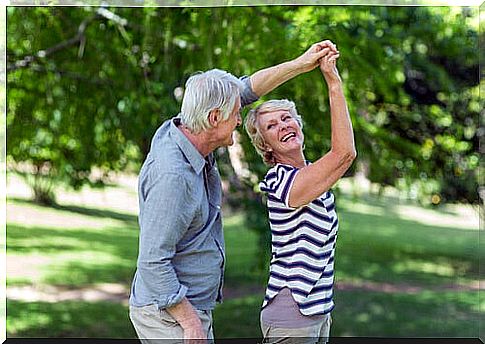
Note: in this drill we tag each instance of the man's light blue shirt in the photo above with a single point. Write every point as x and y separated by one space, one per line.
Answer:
181 244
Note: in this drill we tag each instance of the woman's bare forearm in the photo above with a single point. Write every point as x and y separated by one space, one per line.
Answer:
313 180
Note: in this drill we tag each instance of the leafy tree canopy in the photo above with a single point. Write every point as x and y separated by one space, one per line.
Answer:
88 86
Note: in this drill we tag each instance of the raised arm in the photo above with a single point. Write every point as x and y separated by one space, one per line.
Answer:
313 180
266 80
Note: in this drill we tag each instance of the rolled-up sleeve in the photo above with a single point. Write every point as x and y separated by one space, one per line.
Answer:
166 214
247 95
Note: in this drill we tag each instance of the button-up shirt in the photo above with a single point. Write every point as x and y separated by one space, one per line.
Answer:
181 244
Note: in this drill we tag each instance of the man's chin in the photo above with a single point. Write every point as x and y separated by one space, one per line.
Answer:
228 143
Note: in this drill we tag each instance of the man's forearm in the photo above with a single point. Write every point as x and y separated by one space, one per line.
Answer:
187 317
266 80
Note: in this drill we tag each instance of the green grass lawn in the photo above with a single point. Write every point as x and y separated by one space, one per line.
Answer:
384 247
68 319
381 241
376 244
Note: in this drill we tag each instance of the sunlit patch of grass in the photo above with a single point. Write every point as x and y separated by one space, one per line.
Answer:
439 268
26 324
479 307
361 208
89 267
46 240
68 319
78 256
387 248
28 214
234 222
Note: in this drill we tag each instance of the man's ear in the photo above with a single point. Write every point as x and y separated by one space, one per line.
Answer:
214 117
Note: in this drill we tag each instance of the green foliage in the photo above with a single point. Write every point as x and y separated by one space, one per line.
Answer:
68 319
88 88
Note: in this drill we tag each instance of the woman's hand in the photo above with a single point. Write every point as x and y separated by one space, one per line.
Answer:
328 66
313 180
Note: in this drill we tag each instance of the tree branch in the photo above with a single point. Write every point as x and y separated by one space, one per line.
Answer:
72 75
79 38
27 60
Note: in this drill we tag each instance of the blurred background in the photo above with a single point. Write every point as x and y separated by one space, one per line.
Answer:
88 86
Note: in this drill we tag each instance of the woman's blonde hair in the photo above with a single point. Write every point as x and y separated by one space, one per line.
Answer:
252 127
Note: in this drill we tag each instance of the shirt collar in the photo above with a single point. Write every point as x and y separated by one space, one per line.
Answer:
194 157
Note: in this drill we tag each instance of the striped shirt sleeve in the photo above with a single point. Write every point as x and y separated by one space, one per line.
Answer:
278 183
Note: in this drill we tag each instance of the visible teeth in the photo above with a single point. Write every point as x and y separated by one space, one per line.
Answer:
287 137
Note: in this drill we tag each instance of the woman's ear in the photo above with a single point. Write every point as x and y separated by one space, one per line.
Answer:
214 117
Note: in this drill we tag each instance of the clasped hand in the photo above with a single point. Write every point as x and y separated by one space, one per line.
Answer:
312 58
328 62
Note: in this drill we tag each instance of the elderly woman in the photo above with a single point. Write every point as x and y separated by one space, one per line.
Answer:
303 221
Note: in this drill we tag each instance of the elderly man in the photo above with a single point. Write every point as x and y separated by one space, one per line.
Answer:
181 256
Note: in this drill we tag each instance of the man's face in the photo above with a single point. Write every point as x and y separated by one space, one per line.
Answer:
227 127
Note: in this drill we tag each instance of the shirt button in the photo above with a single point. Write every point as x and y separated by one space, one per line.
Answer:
218 207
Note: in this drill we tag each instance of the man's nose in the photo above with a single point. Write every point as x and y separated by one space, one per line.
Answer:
239 119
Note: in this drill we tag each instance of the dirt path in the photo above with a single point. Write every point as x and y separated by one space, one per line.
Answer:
119 293
408 288
100 292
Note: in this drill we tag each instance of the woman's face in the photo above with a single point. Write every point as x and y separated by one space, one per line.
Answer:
281 132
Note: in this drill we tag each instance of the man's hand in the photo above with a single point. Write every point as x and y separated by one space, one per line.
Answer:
194 333
187 317
266 80
192 328
310 59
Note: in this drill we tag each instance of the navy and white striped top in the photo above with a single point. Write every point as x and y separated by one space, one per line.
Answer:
302 242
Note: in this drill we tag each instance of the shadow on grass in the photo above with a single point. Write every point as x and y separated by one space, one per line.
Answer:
371 247
365 314
377 246
129 219
387 248
238 318
88 256
68 319
361 314
427 314
241 257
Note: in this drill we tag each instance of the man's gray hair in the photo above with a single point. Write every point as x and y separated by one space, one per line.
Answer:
206 91
251 125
